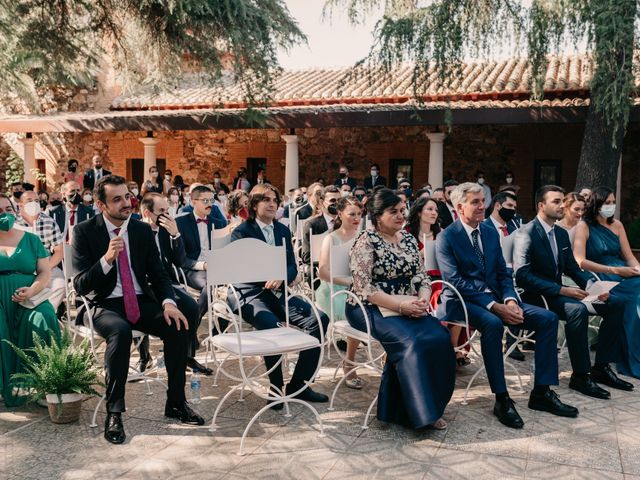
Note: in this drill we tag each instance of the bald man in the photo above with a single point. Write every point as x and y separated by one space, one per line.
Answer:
95 173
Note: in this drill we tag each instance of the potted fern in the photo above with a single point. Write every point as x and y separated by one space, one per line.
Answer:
61 372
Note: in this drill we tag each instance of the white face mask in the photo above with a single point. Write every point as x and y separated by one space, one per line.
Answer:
481 180
222 198
374 173
167 178
153 174
32 209
135 191
608 211
87 198
509 180
216 181
187 198
345 193
174 198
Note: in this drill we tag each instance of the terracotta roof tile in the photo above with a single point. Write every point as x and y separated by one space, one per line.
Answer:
566 77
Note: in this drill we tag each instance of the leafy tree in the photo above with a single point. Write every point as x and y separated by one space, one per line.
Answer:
46 43
443 32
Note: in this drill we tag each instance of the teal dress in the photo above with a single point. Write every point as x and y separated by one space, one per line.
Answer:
17 324
324 292
603 247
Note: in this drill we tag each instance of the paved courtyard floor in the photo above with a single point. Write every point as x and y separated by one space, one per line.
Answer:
602 443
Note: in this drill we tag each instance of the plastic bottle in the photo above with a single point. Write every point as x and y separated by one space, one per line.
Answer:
161 371
196 385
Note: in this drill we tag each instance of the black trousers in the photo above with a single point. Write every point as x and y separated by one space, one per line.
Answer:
110 322
197 279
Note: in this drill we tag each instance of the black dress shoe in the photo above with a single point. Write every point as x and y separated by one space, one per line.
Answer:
113 429
309 395
550 402
275 406
143 364
605 375
506 412
197 367
585 385
184 413
517 354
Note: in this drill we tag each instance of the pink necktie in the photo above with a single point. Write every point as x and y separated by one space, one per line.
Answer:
131 308
504 230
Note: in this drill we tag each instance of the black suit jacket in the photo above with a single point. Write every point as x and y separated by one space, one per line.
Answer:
90 243
445 218
304 212
533 261
172 253
511 227
317 225
282 236
350 181
370 184
59 214
191 238
89 180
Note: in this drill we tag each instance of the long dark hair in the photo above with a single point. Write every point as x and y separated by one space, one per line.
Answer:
599 195
413 221
341 205
379 202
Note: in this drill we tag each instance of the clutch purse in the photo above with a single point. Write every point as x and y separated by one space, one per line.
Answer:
387 312
36 300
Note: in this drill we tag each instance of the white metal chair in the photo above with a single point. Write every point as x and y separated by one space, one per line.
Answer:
315 246
88 332
245 261
221 237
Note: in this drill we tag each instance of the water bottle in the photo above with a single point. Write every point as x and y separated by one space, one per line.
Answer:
161 371
195 389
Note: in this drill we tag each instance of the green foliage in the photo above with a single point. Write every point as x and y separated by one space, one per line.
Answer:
63 42
438 34
15 169
59 368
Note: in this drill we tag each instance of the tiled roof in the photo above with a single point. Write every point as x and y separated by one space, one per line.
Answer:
508 80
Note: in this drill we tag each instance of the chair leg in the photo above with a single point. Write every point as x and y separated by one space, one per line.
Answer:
93 423
365 424
213 426
473 379
340 382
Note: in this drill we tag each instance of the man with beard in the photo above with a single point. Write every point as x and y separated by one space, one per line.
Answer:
72 212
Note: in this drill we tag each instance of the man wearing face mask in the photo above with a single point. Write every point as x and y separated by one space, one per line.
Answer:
241 182
503 209
94 174
219 184
166 183
16 192
446 213
359 193
480 180
67 216
375 179
322 223
345 179
32 219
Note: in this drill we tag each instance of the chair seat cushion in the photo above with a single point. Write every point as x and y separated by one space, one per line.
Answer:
344 328
272 341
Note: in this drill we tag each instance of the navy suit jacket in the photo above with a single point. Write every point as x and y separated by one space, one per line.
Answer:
59 214
350 181
369 183
282 236
461 267
533 261
191 238
318 225
89 179
216 218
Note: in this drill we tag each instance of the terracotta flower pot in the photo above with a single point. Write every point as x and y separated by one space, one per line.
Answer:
64 409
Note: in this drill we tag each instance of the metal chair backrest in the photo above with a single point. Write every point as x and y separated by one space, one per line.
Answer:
429 252
339 256
220 237
315 245
507 249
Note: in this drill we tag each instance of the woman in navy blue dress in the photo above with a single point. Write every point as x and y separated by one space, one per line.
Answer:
390 280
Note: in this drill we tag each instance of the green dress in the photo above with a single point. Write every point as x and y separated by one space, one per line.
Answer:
17 323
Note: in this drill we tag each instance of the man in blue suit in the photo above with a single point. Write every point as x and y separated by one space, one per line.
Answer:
502 210
542 254
195 229
470 258
262 304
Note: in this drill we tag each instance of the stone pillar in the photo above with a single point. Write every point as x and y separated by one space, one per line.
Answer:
436 158
149 154
291 177
29 158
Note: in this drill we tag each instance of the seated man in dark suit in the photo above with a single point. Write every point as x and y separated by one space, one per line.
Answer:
263 304
502 210
375 179
322 223
345 179
470 258
195 229
216 217
446 210
542 254
94 174
120 272
154 209
72 211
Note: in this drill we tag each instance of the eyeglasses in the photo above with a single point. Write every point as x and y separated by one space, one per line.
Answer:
205 201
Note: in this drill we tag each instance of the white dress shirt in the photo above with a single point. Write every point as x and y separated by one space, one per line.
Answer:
330 221
203 233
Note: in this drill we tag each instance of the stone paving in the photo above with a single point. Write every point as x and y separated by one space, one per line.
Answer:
602 443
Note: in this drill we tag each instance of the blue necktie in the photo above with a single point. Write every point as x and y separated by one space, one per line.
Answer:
476 246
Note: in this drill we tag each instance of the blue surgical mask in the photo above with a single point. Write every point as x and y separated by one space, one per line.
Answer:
6 221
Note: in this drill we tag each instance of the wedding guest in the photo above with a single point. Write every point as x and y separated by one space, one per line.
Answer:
167 181
152 183
173 200
446 211
573 207
95 173
329 196
87 198
218 184
25 270
389 278
241 182
237 211
72 174
345 179
509 183
375 179
72 212
601 246
585 192
346 228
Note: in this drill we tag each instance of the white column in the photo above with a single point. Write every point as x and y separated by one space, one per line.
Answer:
436 159
29 159
291 177
149 154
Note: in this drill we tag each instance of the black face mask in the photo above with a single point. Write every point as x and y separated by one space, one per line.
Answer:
73 169
56 203
158 220
299 200
43 204
343 175
76 199
359 197
17 195
506 214
332 209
